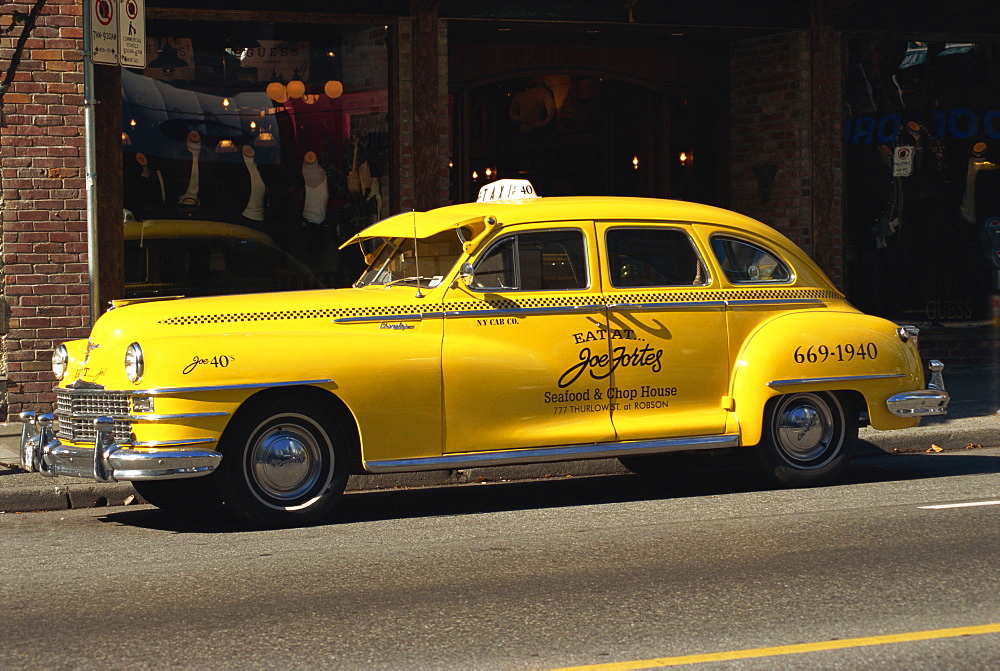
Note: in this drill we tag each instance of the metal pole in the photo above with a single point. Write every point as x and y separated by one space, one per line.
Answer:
89 127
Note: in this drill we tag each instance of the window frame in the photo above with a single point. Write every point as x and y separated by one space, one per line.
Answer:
760 248
679 228
515 237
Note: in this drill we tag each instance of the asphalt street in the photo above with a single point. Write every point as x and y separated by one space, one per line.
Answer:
577 571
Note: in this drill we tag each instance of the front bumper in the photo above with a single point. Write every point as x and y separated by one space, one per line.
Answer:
107 461
925 402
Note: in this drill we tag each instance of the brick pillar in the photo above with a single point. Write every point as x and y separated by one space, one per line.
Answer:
786 157
43 230
827 149
431 134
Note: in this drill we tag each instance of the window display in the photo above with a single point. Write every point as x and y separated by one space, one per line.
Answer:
922 189
281 128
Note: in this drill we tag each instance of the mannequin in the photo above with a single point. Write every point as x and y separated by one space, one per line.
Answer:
190 197
148 193
317 195
255 203
977 162
533 107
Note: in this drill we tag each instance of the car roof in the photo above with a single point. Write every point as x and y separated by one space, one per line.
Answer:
563 208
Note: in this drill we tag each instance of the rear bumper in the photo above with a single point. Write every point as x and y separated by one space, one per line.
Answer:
925 402
107 461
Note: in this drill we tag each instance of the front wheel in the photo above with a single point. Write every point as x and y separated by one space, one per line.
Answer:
284 462
808 439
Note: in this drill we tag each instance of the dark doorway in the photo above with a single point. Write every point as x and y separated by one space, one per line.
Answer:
585 135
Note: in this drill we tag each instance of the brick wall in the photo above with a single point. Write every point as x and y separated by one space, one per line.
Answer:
43 243
770 133
786 156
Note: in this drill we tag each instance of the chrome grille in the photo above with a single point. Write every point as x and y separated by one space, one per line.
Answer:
76 410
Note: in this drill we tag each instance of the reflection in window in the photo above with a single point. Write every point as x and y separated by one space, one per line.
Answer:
653 257
540 261
280 127
744 262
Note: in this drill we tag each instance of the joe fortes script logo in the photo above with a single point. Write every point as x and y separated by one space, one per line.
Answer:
603 363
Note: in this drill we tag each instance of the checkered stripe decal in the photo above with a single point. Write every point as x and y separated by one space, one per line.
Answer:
554 301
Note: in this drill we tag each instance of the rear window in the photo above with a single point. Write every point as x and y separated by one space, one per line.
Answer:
747 263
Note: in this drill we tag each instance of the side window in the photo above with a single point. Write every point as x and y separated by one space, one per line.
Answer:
538 261
746 263
653 257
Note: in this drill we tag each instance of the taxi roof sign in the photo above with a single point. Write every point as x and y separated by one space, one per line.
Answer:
506 189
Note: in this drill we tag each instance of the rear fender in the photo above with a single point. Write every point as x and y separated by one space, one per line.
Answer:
823 351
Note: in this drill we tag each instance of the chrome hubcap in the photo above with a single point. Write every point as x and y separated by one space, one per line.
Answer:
286 462
805 427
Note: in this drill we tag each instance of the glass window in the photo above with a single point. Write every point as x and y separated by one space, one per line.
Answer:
653 257
921 184
746 263
279 127
397 262
540 261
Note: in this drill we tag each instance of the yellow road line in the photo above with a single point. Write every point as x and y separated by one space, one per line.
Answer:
792 649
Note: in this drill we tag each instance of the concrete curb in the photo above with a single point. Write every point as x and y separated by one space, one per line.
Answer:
30 492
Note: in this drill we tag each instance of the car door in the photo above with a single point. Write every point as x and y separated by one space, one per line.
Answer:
523 344
671 359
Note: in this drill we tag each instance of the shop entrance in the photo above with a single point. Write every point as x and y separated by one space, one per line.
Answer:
572 134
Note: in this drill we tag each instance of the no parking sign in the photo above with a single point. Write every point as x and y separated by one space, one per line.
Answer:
104 32
118 32
902 161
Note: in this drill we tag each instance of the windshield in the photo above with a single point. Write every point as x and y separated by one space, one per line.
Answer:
396 262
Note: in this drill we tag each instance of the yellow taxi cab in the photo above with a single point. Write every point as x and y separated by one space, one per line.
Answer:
512 330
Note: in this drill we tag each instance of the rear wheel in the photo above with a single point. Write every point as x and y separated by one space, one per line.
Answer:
808 439
284 462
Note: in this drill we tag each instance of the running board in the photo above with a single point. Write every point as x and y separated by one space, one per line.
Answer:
545 454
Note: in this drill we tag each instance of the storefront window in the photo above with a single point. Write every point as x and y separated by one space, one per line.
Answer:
278 128
922 188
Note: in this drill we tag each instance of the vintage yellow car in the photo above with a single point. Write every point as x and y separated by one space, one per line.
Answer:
516 329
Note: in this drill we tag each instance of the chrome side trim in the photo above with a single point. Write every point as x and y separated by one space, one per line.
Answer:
174 443
685 305
166 418
752 302
222 387
545 454
381 318
825 380
505 312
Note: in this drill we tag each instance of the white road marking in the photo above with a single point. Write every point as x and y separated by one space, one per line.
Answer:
961 505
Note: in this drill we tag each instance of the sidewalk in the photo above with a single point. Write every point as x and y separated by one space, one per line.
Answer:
973 418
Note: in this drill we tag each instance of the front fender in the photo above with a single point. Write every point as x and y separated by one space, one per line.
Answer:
823 351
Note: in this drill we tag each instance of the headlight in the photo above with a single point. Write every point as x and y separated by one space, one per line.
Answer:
60 361
134 364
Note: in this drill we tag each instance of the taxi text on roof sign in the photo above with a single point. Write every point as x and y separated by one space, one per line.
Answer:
506 189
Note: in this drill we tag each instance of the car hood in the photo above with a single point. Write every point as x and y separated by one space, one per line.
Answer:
283 311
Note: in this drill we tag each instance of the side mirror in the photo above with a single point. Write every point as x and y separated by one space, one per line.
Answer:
466 273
